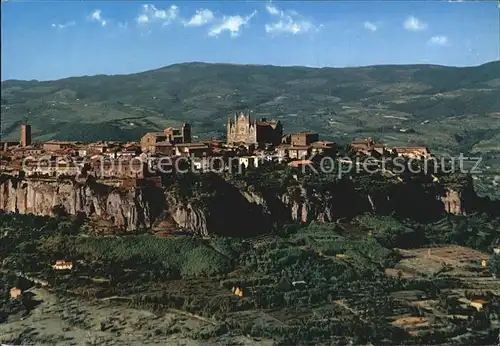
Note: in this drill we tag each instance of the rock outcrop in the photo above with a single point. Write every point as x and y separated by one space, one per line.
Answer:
127 209
223 207
190 218
452 202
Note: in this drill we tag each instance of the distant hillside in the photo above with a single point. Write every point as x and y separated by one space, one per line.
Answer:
448 108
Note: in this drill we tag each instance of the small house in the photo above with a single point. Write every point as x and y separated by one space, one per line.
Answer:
15 293
237 291
62 265
299 163
479 304
192 149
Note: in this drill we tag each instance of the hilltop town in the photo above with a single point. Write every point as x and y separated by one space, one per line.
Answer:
248 143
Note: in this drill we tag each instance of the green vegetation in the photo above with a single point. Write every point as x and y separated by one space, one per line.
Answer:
177 257
494 265
9 306
343 293
378 101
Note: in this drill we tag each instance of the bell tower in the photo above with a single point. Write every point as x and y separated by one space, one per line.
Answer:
25 135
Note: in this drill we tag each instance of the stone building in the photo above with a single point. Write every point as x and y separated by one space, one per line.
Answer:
412 152
27 151
172 135
165 148
325 148
293 152
62 265
363 145
53 146
176 136
303 138
243 131
6 146
119 169
25 135
193 149
150 139
15 293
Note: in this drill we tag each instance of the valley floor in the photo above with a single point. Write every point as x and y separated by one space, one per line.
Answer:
74 321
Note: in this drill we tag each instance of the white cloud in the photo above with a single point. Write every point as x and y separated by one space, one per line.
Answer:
414 24
438 40
272 10
142 19
370 26
96 16
65 25
289 22
232 24
201 17
149 13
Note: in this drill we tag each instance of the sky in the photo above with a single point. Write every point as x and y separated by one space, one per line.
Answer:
47 40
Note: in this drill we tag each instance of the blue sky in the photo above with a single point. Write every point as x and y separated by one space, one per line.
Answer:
55 39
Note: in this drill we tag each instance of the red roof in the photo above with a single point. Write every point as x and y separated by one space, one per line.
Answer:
299 163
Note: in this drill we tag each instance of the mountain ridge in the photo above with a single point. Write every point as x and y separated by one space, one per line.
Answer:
254 65
441 106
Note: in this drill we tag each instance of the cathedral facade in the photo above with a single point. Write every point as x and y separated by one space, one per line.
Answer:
242 130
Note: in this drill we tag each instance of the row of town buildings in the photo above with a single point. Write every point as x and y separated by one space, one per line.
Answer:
250 141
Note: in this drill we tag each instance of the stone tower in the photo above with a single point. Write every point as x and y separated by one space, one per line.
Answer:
25 135
186 133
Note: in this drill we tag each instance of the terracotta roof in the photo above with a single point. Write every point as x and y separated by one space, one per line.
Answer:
293 147
163 144
194 145
299 163
479 301
267 123
157 134
322 144
410 148
60 142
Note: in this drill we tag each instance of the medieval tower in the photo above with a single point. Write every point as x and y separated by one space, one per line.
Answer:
25 135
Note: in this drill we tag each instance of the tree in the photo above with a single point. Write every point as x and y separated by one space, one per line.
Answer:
59 211
494 265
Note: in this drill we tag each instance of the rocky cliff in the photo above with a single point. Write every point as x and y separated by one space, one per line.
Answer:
214 205
127 209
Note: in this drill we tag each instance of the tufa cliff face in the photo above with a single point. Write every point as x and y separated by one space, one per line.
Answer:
214 205
129 210
413 199
453 202
221 209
